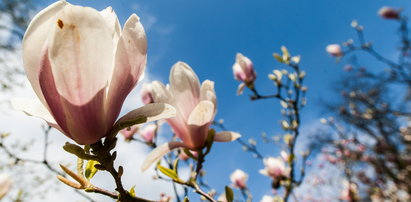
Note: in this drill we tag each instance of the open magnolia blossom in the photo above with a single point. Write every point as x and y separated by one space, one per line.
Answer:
274 168
82 66
196 108
5 184
243 70
239 179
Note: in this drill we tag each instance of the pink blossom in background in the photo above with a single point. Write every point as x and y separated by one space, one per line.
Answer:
389 13
196 107
129 132
239 179
146 94
148 132
334 50
274 167
243 69
183 156
195 104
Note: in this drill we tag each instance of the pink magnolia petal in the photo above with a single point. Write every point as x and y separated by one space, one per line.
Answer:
130 62
34 108
263 172
35 40
198 124
86 123
226 136
160 93
185 87
202 114
80 72
208 93
113 24
159 152
240 88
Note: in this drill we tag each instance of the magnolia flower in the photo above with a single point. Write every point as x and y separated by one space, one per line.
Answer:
243 71
196 108
239 179
267 198
146 95
274 168
5 184
334 50
389 13
82 66
129 132
148 132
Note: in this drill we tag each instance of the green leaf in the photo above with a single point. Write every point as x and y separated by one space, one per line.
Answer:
78 151
186 199
132 191
91 170
168 172
229 195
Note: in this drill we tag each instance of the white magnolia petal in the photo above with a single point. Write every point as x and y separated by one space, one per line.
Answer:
202 114
149 112
208 93
159 152
34 42
185 87
226 136
74 66
160 93
34 107
135 40
112 22
263 172
240 88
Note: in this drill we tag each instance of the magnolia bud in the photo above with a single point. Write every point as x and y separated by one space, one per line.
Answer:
389 13
334 50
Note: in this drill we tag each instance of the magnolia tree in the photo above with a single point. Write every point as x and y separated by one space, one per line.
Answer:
369 136
65 45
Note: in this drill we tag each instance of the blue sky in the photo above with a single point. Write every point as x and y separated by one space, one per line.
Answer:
208 34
